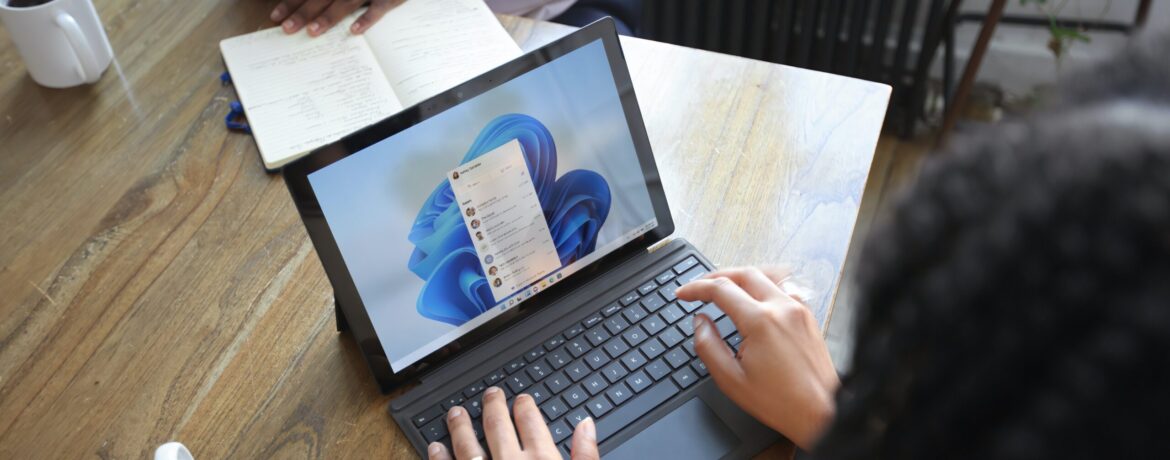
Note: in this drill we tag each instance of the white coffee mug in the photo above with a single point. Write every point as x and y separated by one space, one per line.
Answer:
62 41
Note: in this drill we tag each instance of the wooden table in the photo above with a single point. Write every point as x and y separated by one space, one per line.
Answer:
156 284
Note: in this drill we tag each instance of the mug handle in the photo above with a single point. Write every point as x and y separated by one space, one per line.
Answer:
91 71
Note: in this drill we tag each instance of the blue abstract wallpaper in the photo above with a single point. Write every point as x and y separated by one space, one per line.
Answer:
575 206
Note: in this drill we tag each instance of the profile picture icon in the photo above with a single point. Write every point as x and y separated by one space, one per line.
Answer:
455 175
493 270
497 282
474 223
489 259
479 236
470 212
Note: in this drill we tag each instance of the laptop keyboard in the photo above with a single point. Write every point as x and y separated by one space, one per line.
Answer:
624 360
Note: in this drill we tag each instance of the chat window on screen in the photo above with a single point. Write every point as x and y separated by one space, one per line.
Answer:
504 219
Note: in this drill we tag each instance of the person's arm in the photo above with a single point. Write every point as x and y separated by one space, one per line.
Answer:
535 441
782 375
321 15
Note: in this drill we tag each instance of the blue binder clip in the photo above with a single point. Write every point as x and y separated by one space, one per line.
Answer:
236 113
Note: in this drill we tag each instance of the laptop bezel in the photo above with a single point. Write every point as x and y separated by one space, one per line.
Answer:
349 303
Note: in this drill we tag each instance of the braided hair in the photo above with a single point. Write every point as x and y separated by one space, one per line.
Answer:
1017 302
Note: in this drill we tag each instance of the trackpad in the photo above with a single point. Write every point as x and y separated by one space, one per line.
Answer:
692 431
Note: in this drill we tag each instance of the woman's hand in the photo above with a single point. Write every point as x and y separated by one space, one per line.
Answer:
321 15
535 441
782 375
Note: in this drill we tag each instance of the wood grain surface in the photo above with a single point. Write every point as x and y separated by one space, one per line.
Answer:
156 284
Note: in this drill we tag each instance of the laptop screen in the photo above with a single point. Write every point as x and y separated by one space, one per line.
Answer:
464 216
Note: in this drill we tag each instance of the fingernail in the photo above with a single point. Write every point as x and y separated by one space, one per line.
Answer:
491 391
276 13
314 27
288 24
434 449
590 428
455 412
701 327
355 28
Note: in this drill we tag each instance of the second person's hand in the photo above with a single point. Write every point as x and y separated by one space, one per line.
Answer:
783 375
318 16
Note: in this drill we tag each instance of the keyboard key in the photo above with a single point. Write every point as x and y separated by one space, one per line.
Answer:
515 365
477 428
711 311
630 298
647 287
654 325
667 292
474 407
689 346
700 367
597 336
664 277
619 394
578 347
537 371
614 371
559 359
634 313
595 384
560 430
554 408
616 325
634 336
574 331
677 358
734 341
687 325
435 430
691 275
638 381
657 369
611 309
593 320
554 343
599 406
653 302
494 377
534 354
671 337
686 264
596 359
518 382
539 393
452 401
575 396
652 348
557 382
685 377
474 389
672 313
633 360
725 326
427 415
577 370
690 307
576 416
634 409
616 347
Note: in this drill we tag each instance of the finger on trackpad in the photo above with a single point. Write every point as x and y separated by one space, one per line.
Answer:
692 431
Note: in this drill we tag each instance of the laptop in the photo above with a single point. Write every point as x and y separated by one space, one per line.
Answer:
513 232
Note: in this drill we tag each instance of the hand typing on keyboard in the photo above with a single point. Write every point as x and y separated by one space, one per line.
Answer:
535 441
782 374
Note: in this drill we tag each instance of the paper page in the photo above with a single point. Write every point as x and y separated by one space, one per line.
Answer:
300 93
504 219
426 47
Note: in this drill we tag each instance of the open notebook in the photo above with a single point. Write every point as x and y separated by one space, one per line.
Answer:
300 93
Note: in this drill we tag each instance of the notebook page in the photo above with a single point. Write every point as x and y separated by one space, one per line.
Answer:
300 93
427 47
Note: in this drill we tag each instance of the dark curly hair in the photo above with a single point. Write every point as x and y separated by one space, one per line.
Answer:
1016 304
